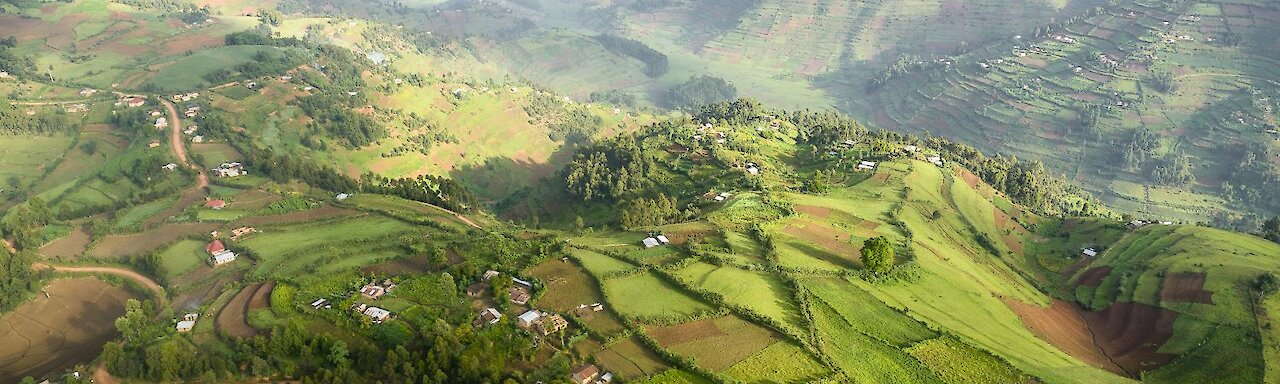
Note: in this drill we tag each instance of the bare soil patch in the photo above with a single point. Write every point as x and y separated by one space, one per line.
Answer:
231 320
1062 325
69 246
825 237
400 266
683 333
55 332
1131 333
123 245
262 297
813 210
1093 276
1185 287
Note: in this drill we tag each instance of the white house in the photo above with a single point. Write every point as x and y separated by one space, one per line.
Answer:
223 257
343 196
377 314
170 167
935 159
490 274
161 122
868 165
753 170
229 170
662 239
650 242
185 326
1089 252
528 319
490 316
911 148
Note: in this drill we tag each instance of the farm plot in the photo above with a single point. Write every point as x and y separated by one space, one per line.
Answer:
26 157
758 291
782 362
289 250
68 327
864 313
69 246
233 318
716 343
646 296
955 362
630 359
599 264
117 246
864 358
180 258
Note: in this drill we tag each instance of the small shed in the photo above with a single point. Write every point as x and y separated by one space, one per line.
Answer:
650 242
529 319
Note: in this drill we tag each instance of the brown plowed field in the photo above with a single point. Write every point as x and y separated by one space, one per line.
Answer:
69 246
1093 276
68 327
813 210
825 237
1062 326
324 212
1185 287
1125 336
232 319
683 333
123 245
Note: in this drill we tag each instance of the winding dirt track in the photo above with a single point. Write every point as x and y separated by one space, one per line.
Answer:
180 151
122 272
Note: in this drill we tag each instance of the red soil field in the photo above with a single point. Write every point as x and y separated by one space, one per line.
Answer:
1126 334
683 333
1185 287
1093 276
813 210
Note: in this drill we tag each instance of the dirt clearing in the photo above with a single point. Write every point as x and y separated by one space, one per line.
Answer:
55 332
1125 337
68 246
232 319
683 333
1093 276
123 245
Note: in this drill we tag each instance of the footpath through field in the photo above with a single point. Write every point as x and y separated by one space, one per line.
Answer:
180 151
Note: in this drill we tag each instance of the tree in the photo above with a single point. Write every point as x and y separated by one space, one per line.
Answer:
1267 283
1271 229
877 255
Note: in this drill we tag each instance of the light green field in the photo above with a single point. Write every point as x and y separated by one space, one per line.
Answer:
955 362
289 250
645 295
187 73
761 292
138 213
25 157
599 264
182 257
782 362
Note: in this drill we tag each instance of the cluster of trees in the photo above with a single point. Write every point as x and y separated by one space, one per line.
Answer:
1087 120
827 128
608 170
1026 182
700 90
255 37
877 255
1271 229
1140 147
905 65
46 122
13 62
333 114
655 63
1254 178
569 122
1163 81
613 96
431 189
17 280
642 212
1174 170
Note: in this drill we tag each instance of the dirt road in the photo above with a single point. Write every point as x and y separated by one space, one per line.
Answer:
180 151
122 272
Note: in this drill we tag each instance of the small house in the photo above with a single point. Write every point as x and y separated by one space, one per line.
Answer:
223 257
170 167
342 196
528 319
935 159
197 139
662 239
185 326
490 316
650 242
1136 224
519 295
597 307
373 291
251 85
4 75
490 274
215 247
552 324
475 290
190 130
868 165
523 283
1089 252
161 122
215 204
134 101
318 303
753 170
153 144
586 374
229 170
911 149
377 314
241 232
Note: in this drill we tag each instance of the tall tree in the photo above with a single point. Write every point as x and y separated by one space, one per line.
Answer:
877 255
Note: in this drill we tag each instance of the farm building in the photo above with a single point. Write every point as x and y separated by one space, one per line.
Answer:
342 196
586 374
161 122
320 303
197 139
489 316
868 165
185 326
229 170
520 282
528 319
170 167
911 148
153 144
133 101
552 324
215 247
650 242
223 257
935 159
519 295
490 274
241 232
373 291
662 239
215 204
1136 224
1089 252
377 314
476 289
